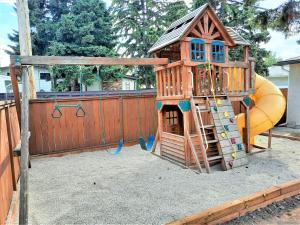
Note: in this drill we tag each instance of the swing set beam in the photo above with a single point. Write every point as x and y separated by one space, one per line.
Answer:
80 60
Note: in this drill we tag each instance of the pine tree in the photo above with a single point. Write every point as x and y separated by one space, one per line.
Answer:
175 10
138 24
74 28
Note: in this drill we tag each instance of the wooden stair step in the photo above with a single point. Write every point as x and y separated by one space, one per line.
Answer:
214 158
209 126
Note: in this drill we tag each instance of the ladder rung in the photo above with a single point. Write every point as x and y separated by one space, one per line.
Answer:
212 141
208 126
214 158
203 110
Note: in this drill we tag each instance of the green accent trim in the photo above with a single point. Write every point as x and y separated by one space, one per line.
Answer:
18 60
184 105
247 101
159 105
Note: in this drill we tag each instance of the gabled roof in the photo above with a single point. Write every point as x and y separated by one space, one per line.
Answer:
178 28
238 39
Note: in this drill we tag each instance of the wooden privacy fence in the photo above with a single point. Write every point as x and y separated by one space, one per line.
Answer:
106 121
9 165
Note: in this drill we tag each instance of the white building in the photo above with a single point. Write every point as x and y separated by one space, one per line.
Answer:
42 79
293 102
127 83
279 75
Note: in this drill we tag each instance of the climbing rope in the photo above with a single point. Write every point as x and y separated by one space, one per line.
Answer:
216 108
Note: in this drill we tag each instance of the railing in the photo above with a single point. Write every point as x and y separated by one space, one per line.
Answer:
234 78
170 80
179 78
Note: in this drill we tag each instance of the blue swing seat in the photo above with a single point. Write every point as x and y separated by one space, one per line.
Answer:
147 146
118 150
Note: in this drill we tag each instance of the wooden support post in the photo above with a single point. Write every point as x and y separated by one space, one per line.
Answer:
10 147
23 212
25 40
270 139
160 129
186 130
246 130
155 141
16 92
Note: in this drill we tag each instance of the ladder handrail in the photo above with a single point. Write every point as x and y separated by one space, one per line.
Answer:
202 127
203 151
193 151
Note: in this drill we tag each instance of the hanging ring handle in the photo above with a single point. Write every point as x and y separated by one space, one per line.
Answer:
80 112
56 113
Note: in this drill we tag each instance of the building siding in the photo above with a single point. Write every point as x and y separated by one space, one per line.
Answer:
293 111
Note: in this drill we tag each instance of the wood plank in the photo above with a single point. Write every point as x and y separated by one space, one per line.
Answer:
199 25
23 211
164 83
178 83
211 29
196 33
215 35
173 72
25 41
80 60
16 92
10 147
172 151
194 152
206 18
232 209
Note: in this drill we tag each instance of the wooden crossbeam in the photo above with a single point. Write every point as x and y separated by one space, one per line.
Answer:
78 60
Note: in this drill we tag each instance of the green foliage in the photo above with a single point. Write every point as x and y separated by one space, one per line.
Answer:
271 60
75 28
175 10
138 25
285 18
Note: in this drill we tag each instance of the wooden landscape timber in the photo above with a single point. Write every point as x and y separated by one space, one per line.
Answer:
78 60
239 207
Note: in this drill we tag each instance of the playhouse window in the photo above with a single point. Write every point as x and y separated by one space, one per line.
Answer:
197 49
217 51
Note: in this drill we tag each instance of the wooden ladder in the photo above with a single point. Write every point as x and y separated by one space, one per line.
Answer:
207 139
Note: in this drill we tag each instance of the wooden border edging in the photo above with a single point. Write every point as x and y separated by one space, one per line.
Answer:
293 138
239 207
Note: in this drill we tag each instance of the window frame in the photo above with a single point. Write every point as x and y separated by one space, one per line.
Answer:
219 55
195 42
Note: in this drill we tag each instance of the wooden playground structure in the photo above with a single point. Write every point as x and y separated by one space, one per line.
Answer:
196 89
199 93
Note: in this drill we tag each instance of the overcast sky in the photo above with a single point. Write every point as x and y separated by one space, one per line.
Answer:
283 48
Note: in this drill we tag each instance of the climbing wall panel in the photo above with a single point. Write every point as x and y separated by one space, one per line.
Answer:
230 140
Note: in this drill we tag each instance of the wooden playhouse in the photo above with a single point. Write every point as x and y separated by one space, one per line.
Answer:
196 90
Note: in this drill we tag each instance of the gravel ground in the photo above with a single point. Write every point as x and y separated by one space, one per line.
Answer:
137 187
283 212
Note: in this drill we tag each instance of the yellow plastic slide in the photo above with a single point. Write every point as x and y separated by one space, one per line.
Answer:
268 109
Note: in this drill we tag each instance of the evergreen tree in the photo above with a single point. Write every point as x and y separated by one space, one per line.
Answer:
74 28
138 24
175 10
